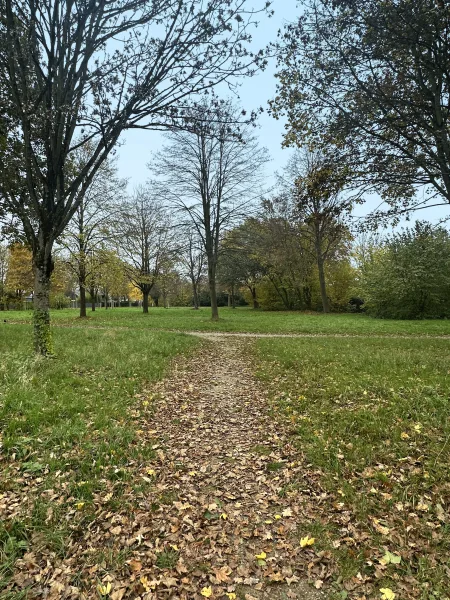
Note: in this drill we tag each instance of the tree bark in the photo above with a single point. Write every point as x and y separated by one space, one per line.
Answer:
323 286
93 299
255 301
145 302
195 296
212 289
43 267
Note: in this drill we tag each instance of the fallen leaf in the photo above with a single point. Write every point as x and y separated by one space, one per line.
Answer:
206 591
307 541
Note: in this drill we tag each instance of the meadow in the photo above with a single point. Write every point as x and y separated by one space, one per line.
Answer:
371 418
240 320
369 414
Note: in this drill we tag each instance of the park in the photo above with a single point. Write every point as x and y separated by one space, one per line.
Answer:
224 300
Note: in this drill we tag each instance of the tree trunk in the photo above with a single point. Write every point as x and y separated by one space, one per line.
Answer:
212 290
233 299
323 286
43 267
145 302
255 301
229 299
93 298
195 295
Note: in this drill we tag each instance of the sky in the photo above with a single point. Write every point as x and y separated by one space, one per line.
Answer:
137 146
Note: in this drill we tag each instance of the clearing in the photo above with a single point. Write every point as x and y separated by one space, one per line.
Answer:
145 464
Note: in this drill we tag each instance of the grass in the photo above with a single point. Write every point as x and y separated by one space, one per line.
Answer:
240 319
72 432
371 417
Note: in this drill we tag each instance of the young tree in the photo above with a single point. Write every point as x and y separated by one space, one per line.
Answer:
212 173
321 206
372 79
193 260
77 72
239 262
146 239
91 225
19 276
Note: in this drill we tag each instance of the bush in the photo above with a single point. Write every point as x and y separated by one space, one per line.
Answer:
408 277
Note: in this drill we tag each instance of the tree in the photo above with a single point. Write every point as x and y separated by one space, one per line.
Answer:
77 72
19 276
317 185
146 239
408 275
372 79
239 262
212 174
111 277
91 225
192 258
288 263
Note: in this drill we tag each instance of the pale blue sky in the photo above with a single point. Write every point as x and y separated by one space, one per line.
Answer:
138 146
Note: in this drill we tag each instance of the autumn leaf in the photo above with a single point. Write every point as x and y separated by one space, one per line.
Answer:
307 541
261 556
221 574
231 595
79 505
390 558
104 590
206 591
387 594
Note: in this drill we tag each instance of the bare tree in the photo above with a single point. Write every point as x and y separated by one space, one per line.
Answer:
212 173
86 71
145 239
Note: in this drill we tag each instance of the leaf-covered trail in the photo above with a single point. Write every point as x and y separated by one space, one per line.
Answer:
223 473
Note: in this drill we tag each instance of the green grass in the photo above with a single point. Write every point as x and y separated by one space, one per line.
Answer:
371 417
73 431
240 319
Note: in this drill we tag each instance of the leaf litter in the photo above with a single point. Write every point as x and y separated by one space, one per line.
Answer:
214 519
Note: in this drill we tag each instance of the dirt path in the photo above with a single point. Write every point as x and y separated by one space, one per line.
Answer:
223 475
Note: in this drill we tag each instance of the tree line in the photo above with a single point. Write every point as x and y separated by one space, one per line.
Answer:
363 88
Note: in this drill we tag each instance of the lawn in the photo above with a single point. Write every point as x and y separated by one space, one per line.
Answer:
70 433
371 418
240 319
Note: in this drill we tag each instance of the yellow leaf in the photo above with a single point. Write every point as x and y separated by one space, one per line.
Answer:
422 506
404 435
231 595
79 505
224 516
307 541
206 591
418 427
277 517
261 556
104 590
174 547
150 471
387 594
